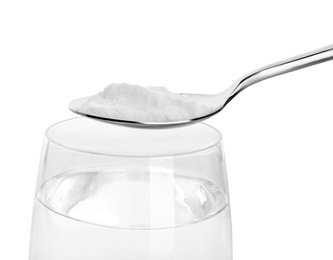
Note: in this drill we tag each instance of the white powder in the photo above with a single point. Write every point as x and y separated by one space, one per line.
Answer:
147 104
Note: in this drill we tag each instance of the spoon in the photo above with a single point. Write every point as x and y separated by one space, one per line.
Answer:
220 100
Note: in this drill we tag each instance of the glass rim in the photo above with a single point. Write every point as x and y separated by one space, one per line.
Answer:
183 154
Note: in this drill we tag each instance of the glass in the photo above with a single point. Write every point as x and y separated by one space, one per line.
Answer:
110 192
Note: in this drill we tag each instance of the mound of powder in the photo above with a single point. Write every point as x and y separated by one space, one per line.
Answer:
147 104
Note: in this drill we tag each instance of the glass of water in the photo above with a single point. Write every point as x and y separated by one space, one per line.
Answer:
110 192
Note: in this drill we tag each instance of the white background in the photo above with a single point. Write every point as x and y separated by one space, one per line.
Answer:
277 134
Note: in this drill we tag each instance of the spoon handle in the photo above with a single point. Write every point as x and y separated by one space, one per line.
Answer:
281 67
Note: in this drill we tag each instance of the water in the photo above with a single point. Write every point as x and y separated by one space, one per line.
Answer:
130 214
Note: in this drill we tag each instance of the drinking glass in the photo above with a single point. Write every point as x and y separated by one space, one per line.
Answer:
111 192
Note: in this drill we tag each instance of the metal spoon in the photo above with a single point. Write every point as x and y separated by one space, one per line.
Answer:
220 100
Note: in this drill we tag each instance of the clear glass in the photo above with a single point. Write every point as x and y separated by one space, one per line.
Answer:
110 192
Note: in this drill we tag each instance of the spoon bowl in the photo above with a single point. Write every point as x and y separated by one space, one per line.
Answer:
220 100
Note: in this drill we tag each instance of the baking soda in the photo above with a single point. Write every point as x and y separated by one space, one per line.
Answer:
146 104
